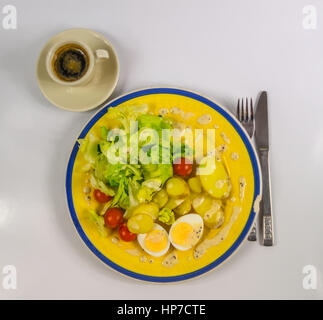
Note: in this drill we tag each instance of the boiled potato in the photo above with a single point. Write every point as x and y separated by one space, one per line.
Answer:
150 209
173 203
215 180
140 223
161 198
195 184
215 216
202 203
184 207
209 209
177 187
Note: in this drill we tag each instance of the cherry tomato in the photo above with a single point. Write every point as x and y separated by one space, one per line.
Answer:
113 217
125 234
184 168
100 196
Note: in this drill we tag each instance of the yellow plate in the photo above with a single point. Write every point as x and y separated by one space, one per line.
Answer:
122 256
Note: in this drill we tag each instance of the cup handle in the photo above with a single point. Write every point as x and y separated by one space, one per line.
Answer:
102 53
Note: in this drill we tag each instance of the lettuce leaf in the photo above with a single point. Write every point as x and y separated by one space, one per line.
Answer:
119 177
162 172
125 114
98 222
148 189
166 216
104 133
89 148
98 184
154 122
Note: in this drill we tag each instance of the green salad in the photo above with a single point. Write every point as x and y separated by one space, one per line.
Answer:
129 184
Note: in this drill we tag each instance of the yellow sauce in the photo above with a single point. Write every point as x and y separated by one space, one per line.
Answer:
242 185
225 138
208 243
134 252
170 260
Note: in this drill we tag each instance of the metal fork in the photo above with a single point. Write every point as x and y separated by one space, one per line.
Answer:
245 115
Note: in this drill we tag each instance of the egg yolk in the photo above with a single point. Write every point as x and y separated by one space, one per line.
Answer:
156 241
182 234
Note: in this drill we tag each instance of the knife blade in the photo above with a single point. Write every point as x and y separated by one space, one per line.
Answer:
262 143
261 119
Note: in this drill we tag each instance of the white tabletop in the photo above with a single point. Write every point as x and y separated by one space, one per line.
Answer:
222 49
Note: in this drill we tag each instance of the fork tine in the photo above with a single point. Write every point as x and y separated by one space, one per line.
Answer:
251 109
242 110
247 110
238 110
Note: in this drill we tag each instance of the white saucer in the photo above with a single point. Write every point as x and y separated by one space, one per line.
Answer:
94 93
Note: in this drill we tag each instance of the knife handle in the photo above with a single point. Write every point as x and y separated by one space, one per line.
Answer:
265 208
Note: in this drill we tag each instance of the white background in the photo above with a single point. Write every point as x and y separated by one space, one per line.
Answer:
223 49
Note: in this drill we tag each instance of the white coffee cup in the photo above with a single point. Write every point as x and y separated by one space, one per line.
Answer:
93 56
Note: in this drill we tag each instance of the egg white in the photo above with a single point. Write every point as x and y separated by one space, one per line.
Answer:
141 239
196 221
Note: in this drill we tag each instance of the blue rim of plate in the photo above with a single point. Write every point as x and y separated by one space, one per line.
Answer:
243 136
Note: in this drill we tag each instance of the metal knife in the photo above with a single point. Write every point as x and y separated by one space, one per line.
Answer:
262 143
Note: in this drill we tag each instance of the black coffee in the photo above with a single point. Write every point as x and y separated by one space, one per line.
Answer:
70 62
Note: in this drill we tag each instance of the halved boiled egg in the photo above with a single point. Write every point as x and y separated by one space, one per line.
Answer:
186 231
155 242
